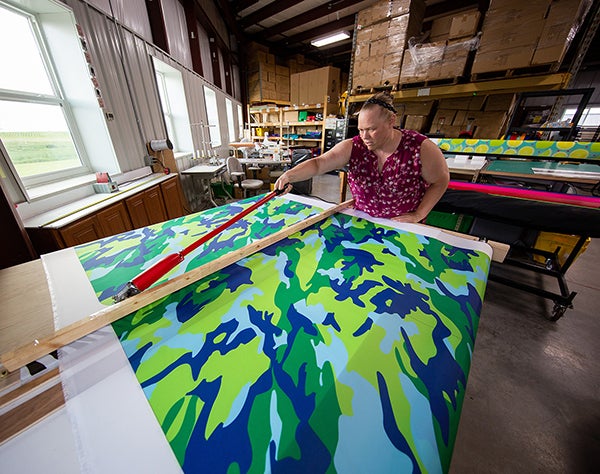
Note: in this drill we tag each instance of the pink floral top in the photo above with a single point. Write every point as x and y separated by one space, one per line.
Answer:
398 189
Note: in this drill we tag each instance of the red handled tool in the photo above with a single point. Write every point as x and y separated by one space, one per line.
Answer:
151 275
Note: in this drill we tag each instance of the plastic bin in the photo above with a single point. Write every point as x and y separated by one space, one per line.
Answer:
445 220
550 241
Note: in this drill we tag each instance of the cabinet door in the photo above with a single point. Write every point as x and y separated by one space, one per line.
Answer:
82 231
137 211
155 207
114 220
171 191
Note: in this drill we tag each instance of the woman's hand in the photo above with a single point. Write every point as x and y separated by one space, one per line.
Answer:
283 184
409 217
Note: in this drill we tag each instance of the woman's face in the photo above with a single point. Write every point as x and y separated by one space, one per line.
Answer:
375 128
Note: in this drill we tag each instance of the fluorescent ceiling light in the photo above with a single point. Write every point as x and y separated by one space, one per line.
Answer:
334 38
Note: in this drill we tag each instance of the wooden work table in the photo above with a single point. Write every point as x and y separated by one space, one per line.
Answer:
26 305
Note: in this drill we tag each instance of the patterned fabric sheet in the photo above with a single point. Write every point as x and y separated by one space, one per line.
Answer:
343 348
528 148
113 261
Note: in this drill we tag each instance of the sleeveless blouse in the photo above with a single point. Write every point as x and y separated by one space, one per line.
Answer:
398 188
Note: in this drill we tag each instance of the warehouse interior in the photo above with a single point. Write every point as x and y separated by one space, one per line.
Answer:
128 118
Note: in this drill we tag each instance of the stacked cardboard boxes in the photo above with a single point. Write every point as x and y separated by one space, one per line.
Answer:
282 83
519 34
506 44
382 32
483 116
315 86
299 63
267 81
414 115
445 56
261 76
562 22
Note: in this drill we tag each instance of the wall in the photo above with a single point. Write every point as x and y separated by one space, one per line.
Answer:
123 65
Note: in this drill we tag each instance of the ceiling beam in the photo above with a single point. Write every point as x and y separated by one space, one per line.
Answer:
310 15
267 11
346 22
243 4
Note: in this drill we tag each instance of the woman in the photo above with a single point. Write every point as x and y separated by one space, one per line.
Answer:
392 173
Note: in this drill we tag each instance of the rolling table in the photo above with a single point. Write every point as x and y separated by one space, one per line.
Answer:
552 172
206 173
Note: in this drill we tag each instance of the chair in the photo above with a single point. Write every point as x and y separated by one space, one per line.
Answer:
236 172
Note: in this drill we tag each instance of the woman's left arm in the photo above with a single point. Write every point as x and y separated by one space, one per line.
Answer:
434 171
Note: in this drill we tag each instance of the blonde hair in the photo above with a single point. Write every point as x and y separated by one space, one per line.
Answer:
383 101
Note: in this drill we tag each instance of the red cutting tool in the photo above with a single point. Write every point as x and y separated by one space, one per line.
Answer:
151 275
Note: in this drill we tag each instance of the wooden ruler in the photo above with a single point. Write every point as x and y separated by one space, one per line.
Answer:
36 348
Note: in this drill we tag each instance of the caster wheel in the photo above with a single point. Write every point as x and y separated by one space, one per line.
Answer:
558 311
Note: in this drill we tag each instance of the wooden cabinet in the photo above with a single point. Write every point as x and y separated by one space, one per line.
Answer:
155 204
114 220
110 221
146 208
173 195
82 231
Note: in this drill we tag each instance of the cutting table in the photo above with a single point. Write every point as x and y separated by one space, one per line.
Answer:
344 347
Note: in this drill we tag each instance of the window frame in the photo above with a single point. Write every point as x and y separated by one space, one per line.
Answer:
212 124
58 100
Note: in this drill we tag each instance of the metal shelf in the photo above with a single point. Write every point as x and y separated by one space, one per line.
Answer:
499 86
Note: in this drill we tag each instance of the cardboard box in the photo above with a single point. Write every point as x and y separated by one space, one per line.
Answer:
416 108
385 9
282 84
315 86
390 72
499 102
290 116
282 96
294 88
282 70
501 60
440 28
560 27
380 30
422 62
443 117
490 125
460 118
451 68
415 122
518 5
465 24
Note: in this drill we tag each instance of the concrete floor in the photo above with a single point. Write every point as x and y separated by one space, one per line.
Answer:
533 396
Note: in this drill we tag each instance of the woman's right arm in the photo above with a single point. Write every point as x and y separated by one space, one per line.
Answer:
334 159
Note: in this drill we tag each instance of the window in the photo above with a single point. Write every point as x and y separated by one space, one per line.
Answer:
37 126
212 112
230 124
174 106
240 121
164 101
589 118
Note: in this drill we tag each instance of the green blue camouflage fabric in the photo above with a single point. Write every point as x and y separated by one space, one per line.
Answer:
343 348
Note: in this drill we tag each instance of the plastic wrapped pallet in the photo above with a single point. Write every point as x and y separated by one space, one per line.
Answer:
434 61
563 20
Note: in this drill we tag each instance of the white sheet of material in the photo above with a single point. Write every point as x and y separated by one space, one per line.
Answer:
114 426
73 297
